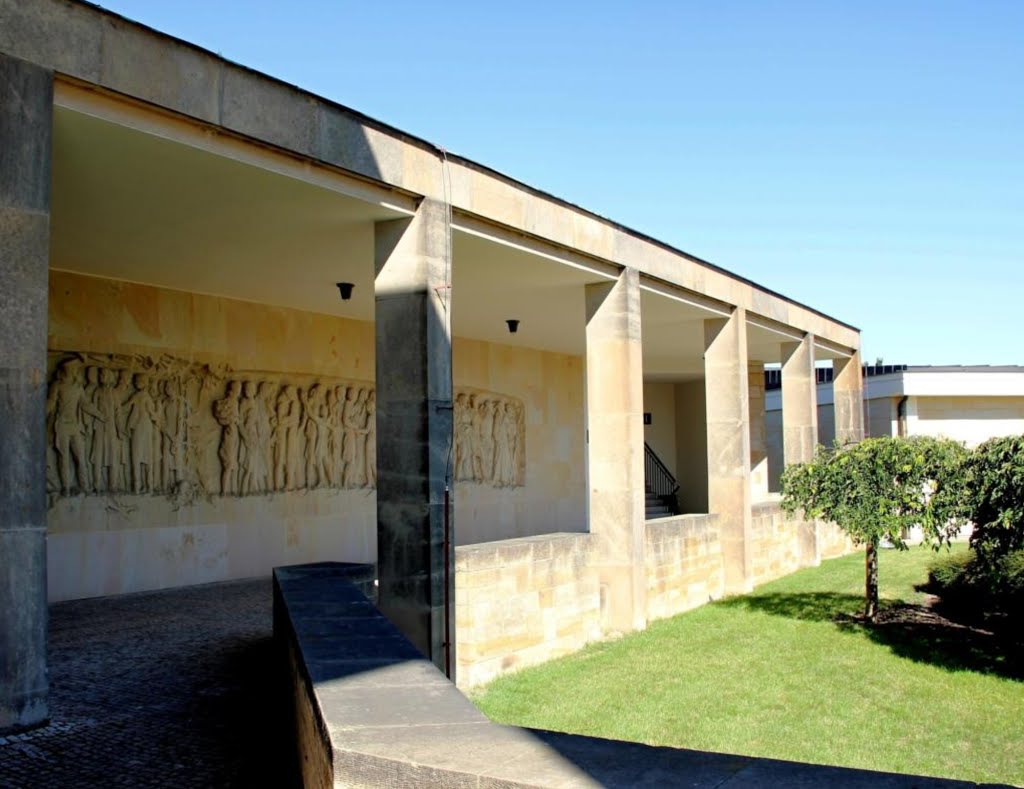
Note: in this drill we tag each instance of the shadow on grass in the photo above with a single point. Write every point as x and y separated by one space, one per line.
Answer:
914 632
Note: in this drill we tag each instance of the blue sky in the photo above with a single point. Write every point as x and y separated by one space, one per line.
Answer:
866 158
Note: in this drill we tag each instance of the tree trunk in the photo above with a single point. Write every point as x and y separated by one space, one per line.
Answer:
871 581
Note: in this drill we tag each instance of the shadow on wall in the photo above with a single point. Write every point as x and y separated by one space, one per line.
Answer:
915 632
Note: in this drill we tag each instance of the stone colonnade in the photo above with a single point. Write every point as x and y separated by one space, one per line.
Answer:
414 418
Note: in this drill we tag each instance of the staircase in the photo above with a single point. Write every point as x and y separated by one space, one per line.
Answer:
659 487
656 506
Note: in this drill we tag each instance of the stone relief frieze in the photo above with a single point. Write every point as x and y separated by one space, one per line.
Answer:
490 439
119 424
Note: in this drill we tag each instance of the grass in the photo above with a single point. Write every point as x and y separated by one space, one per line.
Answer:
790 672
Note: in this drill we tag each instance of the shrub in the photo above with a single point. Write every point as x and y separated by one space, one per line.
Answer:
968 584
950 571
994 475
877 490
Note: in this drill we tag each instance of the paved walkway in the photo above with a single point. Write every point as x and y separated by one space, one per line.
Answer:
160 689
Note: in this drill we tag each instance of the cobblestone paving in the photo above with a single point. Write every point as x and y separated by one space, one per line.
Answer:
164 689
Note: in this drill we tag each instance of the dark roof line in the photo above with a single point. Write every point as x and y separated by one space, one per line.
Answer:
773 377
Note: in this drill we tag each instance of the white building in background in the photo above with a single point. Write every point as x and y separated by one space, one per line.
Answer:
966 403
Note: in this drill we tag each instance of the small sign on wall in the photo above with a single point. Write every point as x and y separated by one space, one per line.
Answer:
647 417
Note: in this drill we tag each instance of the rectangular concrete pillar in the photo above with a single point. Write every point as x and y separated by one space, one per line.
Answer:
414 429
728 430
799 401
800 427
26 120
758 432
848 397
615 448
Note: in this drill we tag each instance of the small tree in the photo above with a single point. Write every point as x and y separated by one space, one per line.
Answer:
995 498
877 490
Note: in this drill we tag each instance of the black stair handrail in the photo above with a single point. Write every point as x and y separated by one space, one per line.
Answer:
659 479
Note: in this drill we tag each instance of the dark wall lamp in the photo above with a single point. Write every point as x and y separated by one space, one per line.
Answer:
513 325
345 289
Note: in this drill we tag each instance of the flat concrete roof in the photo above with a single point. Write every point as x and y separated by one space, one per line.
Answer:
100 48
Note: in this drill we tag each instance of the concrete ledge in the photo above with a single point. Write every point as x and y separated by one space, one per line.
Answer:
372 711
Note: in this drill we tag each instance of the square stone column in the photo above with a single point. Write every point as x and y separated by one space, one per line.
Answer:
728 428
414 429
800 426
758 432
848 399
799 401
615 448
26 121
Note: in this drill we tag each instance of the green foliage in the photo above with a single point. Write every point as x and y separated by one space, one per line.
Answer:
983 588
995 485
948 572
784 673
878 489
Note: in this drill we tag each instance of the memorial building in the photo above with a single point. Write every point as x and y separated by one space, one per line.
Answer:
242 326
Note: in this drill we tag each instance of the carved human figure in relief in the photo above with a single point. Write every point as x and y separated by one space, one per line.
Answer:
92 383
371 439
225 411
156 472
506 432
122 393
485 440
267 420
464 437
141 423
317 474
354 420
66 401
517 445
175 434
336 434
286 459
252 472
108 434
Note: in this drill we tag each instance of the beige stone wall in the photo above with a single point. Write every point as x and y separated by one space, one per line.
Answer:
113 544
832 541
781 544
684 564
100 545
660 403
550 386
971 419
523 601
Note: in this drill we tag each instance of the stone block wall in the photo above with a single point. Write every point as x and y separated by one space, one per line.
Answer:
523 601
684 564
781 543
832 541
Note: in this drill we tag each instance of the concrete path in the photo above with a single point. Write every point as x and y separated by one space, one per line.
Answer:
161 689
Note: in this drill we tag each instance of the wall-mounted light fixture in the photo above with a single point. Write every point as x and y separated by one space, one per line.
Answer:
345 289
513 325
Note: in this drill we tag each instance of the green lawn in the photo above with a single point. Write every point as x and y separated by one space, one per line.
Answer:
788 672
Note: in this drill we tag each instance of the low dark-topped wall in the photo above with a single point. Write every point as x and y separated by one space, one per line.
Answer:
370 710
